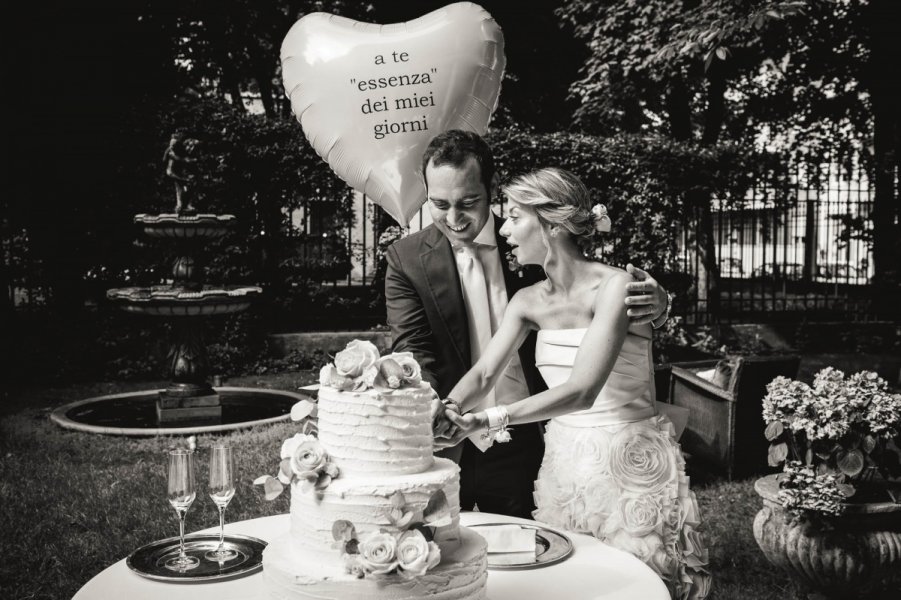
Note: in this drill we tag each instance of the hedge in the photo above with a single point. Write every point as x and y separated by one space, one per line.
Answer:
260 169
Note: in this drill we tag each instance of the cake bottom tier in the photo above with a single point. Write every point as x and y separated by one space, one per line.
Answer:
292 573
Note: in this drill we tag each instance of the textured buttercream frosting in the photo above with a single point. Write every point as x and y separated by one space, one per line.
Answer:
371 431
294 573
365 502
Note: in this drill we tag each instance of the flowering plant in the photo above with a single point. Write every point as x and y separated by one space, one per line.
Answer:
302 458
834 439
408 551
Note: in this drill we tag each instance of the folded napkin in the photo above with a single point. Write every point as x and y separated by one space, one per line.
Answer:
512 558
508 544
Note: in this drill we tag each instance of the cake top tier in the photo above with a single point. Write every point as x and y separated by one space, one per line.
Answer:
359 367
374 412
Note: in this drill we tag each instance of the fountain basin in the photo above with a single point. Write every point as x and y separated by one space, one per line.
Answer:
134 413
207 226
178 301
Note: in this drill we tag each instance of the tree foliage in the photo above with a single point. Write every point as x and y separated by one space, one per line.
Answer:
794 77
805 86
231 49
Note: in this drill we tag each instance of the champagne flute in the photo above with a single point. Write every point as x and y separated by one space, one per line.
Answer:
181 496
222 488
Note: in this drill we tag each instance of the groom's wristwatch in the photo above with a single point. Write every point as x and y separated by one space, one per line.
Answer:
664 316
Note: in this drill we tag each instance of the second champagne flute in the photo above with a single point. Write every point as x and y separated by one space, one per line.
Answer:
222 488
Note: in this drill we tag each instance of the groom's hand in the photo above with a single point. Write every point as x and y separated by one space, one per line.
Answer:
646 299
441 426
466 425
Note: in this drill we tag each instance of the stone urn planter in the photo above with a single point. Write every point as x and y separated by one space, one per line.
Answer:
857 556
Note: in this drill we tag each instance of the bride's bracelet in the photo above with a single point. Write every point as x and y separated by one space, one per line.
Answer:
498 419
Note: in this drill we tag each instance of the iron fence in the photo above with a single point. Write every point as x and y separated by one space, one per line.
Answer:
808 257
776 260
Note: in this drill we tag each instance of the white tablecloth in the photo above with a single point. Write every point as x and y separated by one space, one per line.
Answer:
594 571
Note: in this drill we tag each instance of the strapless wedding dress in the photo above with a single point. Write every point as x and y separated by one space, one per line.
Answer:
615 469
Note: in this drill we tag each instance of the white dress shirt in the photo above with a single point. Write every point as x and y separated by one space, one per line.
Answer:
512 385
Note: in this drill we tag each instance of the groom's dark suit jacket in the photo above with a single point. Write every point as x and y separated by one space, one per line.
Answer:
428 318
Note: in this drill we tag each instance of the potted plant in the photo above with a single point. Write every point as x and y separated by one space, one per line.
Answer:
832 518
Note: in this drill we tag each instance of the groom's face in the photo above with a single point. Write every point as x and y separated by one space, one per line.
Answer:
458 200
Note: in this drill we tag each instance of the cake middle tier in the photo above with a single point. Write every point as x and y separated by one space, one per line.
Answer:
373 431
365 501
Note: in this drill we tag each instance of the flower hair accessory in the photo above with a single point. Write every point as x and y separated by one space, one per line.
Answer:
602 222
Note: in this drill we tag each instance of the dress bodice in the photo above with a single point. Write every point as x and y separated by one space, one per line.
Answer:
628 394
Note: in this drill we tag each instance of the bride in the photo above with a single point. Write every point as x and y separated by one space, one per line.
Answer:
612 467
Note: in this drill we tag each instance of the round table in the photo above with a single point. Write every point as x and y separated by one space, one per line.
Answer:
594 571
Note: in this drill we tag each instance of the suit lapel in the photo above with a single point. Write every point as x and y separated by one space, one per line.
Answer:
440 270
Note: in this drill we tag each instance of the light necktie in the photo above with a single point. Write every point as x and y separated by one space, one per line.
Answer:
475 291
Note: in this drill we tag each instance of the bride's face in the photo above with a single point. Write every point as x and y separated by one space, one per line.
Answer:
524 233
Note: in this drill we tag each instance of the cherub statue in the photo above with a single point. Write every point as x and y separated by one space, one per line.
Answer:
179 158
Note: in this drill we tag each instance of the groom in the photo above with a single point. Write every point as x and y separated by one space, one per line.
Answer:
446 288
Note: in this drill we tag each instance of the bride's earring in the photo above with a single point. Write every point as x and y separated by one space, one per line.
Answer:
553 232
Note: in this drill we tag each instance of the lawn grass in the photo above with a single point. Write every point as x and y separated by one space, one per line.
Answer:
71 503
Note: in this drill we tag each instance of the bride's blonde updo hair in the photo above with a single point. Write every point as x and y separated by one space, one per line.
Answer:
560 199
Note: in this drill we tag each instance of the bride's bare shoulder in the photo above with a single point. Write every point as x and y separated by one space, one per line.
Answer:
527 294
526 299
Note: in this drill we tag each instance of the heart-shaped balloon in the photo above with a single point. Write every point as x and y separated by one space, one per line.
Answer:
371 97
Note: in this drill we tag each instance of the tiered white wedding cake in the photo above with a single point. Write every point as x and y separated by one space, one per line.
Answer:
373 513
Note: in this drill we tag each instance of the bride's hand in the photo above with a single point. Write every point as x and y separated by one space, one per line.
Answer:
466 425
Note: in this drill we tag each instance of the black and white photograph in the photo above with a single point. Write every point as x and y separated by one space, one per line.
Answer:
437 300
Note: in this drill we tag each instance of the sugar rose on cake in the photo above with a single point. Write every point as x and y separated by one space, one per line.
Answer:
356 357
302 459
393 372
412 372
409 551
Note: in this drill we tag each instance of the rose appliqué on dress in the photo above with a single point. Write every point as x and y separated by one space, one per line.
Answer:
640 459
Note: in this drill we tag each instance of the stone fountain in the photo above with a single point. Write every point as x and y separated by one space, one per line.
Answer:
189 403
